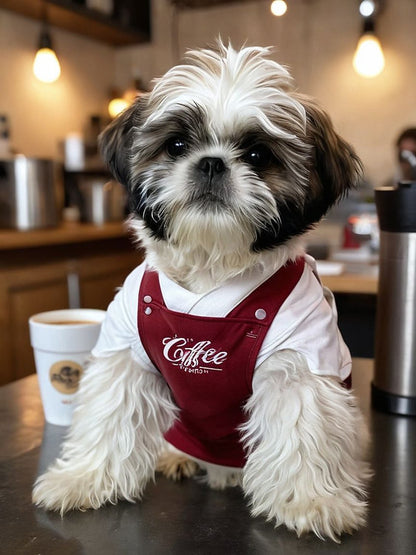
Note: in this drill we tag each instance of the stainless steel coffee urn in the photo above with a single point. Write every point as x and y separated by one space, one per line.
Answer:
394 384
31 194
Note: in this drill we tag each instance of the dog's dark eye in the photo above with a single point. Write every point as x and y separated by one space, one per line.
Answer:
176 147
258 156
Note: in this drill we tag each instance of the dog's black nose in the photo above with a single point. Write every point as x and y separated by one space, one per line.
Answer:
211 166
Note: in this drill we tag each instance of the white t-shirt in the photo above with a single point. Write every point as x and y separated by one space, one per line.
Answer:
306 322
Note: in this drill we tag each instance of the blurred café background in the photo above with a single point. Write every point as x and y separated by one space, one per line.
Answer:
62 237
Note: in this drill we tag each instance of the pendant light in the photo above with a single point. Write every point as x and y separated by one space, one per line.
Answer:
278 8
368 60
367 8
46 65
117 105
120 102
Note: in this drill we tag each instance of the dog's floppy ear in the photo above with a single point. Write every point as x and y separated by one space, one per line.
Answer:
115 143
335 167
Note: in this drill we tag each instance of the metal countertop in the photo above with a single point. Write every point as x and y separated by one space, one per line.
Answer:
188 517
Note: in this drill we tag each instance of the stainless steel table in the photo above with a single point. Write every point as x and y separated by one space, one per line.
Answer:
189 518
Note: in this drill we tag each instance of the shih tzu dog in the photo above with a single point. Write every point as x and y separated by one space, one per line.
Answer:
221 351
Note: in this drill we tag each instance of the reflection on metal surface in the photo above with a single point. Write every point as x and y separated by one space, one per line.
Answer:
396 315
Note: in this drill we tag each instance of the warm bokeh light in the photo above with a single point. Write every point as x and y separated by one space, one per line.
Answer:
367 7
278 7
117 105
368 58
46 66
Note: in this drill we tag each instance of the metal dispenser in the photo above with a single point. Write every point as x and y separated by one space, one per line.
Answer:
394 384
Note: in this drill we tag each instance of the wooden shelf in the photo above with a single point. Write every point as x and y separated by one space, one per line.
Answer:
91 23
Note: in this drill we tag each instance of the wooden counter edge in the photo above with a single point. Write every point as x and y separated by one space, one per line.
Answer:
65 233
351 283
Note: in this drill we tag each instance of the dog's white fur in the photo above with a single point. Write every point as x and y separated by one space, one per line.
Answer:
304 434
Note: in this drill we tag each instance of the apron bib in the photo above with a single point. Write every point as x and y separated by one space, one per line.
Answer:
209 362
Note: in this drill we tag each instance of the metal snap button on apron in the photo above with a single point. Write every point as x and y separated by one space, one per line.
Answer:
260 314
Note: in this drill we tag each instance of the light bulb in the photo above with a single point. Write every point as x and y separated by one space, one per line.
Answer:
367 8
368 58
117 105
278 7
46 65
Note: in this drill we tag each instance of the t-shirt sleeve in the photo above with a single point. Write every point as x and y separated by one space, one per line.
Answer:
307 323
119 328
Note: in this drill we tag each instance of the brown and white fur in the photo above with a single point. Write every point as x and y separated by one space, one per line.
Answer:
226 166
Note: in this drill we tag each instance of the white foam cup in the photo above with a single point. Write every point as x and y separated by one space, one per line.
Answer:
62 341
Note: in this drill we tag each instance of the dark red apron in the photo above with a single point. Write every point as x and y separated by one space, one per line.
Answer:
209 362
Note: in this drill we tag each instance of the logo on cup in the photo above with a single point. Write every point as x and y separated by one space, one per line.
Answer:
65 376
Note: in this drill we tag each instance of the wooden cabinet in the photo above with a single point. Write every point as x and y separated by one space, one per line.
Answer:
99 278
49 277
88 283
25 292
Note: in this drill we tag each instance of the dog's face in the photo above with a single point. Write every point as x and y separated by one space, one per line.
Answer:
223 149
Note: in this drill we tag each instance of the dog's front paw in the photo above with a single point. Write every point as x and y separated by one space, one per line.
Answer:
63 490
326 516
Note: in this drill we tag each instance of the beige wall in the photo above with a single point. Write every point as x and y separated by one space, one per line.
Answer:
42 114
316 39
